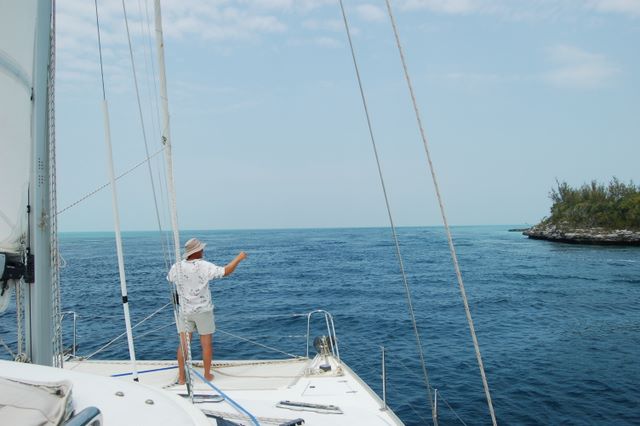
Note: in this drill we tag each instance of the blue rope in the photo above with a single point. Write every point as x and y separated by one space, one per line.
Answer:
211 385
226 397
144 371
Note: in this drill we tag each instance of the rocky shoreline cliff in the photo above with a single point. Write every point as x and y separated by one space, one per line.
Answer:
599 236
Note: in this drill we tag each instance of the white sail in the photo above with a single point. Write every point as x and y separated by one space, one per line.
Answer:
17 36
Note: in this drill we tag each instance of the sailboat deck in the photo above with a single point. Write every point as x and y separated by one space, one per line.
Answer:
336 397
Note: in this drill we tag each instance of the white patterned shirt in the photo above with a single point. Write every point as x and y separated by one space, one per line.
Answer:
194 279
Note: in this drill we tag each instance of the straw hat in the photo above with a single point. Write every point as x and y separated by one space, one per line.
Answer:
192 246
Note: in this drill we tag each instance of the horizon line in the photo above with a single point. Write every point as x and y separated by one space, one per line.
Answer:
289 229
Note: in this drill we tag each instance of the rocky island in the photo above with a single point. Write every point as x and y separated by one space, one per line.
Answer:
592 214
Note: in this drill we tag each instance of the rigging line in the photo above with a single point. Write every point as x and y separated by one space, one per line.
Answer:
13 356
19 314
152 84
92 193
258 344
173 204
141 116
116 217
368 367
162 327
410 372
112 341
393 229
148 52
397 391
153 67
135 338
58 356
104 92
21 308
162 178
150 75
237 406
280 336
454 257
153 97
452 410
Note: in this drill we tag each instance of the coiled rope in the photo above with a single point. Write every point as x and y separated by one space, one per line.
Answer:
393 228
454 257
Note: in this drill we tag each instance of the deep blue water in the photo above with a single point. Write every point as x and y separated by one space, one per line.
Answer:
558 325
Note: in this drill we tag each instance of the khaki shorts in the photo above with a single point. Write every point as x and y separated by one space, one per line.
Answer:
202 322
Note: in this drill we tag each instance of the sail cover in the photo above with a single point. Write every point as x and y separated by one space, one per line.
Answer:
17 35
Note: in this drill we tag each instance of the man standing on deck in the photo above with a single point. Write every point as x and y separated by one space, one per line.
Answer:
195 297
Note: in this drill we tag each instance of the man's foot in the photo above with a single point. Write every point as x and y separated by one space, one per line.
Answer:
208 376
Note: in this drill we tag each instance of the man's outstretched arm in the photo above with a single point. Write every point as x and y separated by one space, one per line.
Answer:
231 266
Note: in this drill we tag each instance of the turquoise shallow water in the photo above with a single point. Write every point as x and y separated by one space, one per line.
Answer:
558 325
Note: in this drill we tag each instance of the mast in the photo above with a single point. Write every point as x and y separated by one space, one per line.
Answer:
40 321
166 141
166 133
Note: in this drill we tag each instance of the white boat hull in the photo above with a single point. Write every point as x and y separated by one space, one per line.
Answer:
120 402
334 397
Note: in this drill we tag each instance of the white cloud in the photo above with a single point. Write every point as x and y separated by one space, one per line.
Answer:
523 9
330 25
205 20
579 69
444 6
479 80
513 10
333 25
371 13
286 5
218 21
327 42
631 7
473 78
227 21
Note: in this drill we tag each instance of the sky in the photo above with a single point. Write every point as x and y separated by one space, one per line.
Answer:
268 128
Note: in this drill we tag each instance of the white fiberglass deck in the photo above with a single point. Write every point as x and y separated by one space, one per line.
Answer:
335 397
120 403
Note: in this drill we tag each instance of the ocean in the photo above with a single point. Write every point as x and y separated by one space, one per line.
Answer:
558 324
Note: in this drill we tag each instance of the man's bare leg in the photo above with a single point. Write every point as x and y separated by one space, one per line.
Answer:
181 375
207 354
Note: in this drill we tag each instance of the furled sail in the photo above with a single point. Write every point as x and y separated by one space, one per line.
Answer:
17 36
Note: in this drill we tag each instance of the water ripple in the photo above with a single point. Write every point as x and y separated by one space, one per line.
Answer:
558 325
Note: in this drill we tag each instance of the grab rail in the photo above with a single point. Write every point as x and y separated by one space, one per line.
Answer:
331 331
75 318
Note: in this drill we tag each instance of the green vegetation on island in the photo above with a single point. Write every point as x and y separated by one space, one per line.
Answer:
592 214
613 206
